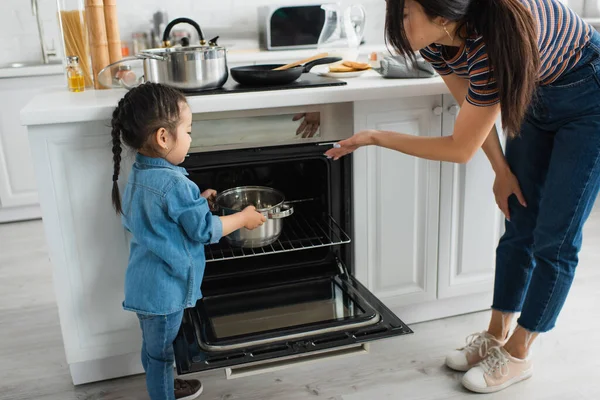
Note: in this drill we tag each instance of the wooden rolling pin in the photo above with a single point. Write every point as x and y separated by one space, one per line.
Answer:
94 11
112 30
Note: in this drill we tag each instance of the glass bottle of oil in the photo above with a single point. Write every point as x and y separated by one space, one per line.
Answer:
74 32
75 77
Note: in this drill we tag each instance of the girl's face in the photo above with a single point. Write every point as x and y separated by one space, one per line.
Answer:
421 30
176 146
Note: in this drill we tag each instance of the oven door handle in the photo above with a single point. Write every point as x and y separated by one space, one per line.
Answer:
285 211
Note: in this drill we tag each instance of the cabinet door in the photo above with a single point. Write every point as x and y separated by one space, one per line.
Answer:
17 180
470 221
90 254
396 204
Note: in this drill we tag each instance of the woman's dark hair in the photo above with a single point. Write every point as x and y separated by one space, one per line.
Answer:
139 114
509 33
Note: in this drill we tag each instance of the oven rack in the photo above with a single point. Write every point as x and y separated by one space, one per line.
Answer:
300 232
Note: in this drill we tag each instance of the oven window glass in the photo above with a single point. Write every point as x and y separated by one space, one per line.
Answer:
273 309
270 130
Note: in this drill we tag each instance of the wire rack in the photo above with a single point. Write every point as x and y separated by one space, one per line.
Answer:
300 232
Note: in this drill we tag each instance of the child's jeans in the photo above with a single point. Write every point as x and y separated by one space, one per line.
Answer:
158 334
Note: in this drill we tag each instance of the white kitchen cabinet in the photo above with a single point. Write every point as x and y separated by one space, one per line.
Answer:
18 192
101 339
470 221
425 232
397 203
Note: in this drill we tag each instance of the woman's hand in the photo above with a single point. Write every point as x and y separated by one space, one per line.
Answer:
310 124
340 149
505 185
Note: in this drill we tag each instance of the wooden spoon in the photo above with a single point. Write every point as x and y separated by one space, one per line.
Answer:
306 60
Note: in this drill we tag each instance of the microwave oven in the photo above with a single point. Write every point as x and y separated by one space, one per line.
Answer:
290 27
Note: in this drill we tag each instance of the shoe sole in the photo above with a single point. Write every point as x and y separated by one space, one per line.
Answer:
193 396
498 388
458 368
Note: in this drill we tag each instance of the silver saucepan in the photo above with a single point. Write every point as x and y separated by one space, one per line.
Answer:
269 202
187 68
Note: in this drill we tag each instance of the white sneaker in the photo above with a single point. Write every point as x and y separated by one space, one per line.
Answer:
497 371
478 345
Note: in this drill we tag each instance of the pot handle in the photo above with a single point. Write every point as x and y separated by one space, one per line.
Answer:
320 61
213 206
286 211
176 21
143 56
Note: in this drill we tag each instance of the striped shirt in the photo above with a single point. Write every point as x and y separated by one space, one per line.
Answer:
562 34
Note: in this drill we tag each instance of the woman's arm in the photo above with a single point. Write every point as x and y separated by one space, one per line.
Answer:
505 183
472 127
491 147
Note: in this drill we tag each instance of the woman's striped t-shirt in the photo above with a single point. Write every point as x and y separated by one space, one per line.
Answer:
562 34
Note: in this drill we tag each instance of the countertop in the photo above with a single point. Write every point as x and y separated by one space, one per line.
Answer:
61 106
33 70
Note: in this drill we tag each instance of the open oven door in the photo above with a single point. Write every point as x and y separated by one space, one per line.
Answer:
323 314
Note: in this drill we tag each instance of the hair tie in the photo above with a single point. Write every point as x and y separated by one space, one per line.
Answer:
115 178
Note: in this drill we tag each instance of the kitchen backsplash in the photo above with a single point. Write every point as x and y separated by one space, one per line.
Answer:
228 18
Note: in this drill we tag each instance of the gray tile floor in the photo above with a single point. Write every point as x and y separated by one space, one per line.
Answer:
32 361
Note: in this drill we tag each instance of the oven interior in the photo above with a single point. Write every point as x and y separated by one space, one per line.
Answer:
296 295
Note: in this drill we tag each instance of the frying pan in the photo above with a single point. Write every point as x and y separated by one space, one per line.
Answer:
264 75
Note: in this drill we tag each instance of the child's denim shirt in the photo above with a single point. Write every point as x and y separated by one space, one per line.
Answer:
170 224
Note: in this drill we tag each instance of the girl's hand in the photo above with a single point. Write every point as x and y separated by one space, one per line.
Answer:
210 195
340 149
252 218
505 185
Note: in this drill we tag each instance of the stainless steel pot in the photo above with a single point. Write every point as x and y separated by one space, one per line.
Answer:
190 68
269 202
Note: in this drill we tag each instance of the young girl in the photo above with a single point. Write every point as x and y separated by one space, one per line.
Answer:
170 223
538 63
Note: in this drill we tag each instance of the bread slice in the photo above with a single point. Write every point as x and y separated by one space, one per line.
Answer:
340 68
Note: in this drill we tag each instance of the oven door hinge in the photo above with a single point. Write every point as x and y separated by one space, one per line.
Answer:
342 267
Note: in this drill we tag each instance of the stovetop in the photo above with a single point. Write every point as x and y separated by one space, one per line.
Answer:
305 81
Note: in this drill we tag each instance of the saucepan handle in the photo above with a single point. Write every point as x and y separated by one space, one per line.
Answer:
145 55
286 211
320 61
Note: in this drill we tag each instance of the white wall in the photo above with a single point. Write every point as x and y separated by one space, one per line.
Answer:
227 18
18 29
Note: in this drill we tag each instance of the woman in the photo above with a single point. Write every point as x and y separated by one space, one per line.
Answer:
537 63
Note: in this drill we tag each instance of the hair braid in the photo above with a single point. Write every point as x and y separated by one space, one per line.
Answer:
116 150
